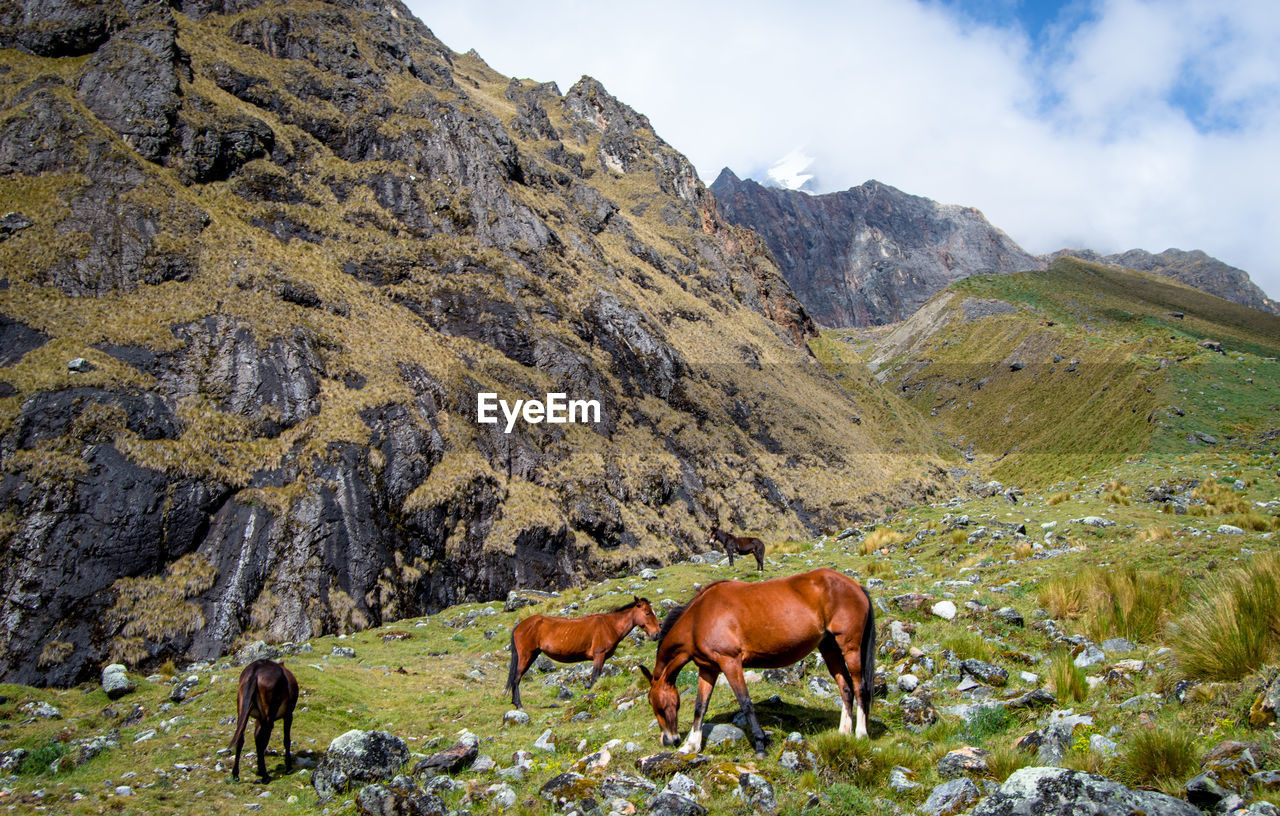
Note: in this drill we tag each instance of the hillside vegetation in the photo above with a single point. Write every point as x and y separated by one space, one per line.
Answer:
1062 372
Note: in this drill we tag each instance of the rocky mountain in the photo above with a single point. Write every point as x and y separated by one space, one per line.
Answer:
260 260
871 254
1195 268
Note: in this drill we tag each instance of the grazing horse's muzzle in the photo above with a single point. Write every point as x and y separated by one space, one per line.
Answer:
670 740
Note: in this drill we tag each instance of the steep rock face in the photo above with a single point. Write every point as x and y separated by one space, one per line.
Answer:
294 244
869 255
1195 268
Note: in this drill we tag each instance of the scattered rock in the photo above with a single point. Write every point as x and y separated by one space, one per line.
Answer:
917 711
988 673
520 598
1094 521
952 797
544 742
1229 529
966 760
41 711
356 757
1061 792
515 717
666 763
902 779
757 792
342 651
944 609
116 682
183 690
451 760
1010 616
721 733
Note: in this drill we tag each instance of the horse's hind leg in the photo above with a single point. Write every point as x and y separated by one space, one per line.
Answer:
853 665
522 664
262 736
706 684
759 551
835 661
728 549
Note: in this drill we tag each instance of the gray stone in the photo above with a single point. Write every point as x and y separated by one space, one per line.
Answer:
966 760
988 673
116 682
183 690
41 711
545 743
757 792
1061 792
1010 616
1095 521
902 779
944 609
1230 529
515 716
1091 655
670 804
722 733
1120 645
343 651
950 798
908 682
358 757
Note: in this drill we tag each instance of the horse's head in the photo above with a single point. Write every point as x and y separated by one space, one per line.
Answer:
713 538
645 618
665 701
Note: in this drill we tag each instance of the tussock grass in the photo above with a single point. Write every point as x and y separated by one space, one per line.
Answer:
1004 760
1156 532
880 538
153 608
1114 603
1058 498
846 759
1117 492
967 645
1219 499
1159 757
1066 678
1233 628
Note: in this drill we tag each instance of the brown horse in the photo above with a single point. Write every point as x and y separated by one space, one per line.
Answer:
731 625
572 640
268 692
737 545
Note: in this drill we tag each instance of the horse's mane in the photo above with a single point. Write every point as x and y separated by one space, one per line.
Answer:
627 606
674 615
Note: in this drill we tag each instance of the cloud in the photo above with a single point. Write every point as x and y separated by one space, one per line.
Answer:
1125 123
788 171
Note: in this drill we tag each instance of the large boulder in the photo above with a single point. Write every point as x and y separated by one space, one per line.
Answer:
116 682
1062 792
358 757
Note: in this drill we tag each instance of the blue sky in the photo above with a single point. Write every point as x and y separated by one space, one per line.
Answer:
1107 124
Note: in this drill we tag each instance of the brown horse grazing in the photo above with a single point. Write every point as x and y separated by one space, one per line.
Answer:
572 640
731 625
737 545
268 692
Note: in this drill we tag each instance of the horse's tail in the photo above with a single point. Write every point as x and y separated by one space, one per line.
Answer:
245 702
868 653
515 659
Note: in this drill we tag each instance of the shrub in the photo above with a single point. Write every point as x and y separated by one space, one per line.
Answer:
1234 627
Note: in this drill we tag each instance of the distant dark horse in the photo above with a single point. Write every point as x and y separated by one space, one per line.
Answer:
737 545
268 692
572 640
731 625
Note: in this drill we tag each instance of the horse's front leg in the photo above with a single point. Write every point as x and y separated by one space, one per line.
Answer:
706 684
597 664
728 549
737 682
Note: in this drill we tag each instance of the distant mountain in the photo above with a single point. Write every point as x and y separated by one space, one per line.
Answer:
871 254
1194 268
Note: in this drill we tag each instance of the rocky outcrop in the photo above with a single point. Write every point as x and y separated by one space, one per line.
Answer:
287 248
1195 268
871 254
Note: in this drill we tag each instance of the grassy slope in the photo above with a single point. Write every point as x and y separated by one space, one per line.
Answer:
434 697
1104 366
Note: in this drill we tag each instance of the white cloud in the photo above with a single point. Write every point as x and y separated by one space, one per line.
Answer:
1076 141
789 171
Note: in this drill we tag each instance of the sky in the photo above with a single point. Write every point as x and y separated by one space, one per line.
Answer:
1100 124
